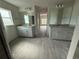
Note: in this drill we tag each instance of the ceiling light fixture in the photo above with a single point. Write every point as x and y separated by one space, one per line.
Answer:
59 4
29 10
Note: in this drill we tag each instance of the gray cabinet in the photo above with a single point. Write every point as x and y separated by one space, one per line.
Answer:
25 31
61 32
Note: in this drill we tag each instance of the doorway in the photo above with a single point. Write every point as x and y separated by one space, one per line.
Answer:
8 24
43 24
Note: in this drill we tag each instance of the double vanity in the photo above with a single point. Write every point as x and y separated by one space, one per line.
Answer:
25 31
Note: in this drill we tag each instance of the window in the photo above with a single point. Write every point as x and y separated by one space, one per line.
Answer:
26 18
43 19
6 17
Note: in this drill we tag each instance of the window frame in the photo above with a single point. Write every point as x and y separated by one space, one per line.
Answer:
10 17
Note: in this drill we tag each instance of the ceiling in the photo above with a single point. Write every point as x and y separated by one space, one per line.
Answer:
22 4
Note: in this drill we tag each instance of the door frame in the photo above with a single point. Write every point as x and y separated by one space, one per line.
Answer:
3 40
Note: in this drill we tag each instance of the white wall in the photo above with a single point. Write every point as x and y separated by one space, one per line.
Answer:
75 13
67 11
74 42
11 33
52 15
76 55
75 38
60 14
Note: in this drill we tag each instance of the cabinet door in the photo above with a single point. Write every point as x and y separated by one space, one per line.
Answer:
23 32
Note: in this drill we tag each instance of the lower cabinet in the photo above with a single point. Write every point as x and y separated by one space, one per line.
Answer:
25 31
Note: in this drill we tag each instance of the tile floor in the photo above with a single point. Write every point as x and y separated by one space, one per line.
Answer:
39 48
